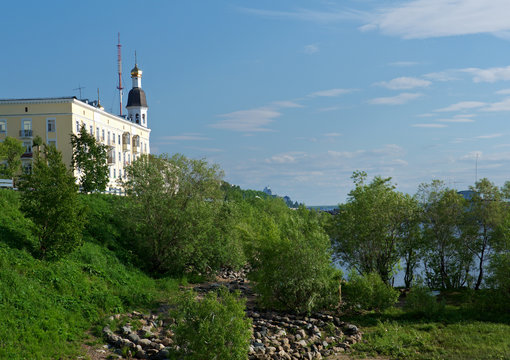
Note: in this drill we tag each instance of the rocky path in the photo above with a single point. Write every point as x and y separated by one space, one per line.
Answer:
275 335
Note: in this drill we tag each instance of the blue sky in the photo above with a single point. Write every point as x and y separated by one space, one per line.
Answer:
292 94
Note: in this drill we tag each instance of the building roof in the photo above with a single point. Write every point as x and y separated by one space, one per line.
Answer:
136 97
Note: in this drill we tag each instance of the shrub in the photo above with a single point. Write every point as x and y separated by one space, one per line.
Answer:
421 301
292 264
368 292
215 327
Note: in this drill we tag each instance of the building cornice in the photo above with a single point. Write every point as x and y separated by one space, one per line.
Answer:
60 100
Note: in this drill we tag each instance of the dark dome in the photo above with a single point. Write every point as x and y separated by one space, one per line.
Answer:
136 97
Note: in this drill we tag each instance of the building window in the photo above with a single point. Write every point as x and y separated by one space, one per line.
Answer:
28 146
129 158
143 119
26 109
26 128
27 168
102 135
119 140
52 143
113 154
145 146
120 173
97 134
108 138
77 126
3 126
91 130
52 126
113 136
114 173
138 118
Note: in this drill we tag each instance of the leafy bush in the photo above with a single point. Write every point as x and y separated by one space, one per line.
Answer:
14 227
292 261
215 327
368 292
421 301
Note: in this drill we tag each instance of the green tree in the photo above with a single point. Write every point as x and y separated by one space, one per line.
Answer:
485 218
447 259
175 206
49 198
10 152
368 229
90 158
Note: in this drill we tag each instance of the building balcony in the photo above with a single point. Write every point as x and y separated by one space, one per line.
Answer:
25 133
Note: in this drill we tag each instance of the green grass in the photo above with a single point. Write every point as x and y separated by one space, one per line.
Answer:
457 333
46 308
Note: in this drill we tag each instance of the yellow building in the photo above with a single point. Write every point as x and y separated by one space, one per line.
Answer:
55 119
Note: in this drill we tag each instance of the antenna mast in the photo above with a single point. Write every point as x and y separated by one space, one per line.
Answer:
476 168
119 61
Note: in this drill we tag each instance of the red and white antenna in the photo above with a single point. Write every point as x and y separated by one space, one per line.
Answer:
119 61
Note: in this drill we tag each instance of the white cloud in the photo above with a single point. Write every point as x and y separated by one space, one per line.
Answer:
395 100
324 17
330 93
287 104
334 134
437 18
463 105
442 76
472 155
387 150
459 119
282 159
329 108
489 136
404 63
429 125
489 75
503 92
254 120
311 49
503 105
184 137
403 83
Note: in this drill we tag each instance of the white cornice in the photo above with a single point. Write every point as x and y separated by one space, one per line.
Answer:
61 100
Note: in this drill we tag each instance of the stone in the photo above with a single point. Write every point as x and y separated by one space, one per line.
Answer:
140 354
134 338
144 342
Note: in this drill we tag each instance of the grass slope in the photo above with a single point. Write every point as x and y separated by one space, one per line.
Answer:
47 307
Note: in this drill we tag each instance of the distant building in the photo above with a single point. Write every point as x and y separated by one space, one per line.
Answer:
466 194
55 119
267 190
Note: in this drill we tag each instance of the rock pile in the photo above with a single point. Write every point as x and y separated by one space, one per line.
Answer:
299 337
275 336
149 339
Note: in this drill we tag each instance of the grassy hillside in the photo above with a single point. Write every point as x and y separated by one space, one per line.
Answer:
46 308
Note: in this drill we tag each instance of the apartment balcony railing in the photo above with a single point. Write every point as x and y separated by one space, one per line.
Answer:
25 133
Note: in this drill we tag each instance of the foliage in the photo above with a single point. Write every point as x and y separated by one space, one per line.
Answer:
177 215
215 327
11 150
49 199
447 259
14 227
368 229
90 158
421 301
368 292
290 257
485 219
